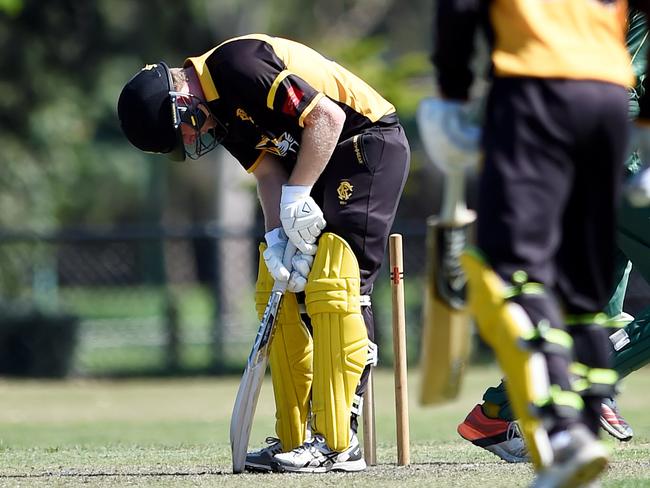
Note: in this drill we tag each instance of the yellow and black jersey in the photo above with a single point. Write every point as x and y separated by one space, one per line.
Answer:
561 39
263 87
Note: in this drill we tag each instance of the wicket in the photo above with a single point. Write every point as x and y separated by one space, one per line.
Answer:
399 349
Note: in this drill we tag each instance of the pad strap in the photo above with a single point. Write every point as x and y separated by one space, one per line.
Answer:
373 354
357 405
594 381
364 301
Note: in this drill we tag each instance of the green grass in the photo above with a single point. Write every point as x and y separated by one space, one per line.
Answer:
175 433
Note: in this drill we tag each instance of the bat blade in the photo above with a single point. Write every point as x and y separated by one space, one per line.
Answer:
243 411
242 414
446 327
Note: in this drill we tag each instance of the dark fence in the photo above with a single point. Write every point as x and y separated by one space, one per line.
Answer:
158 300
152 301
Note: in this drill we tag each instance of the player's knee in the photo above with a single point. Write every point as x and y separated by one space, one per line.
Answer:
334 281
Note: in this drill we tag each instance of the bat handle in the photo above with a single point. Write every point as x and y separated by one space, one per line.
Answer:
454 207
289 252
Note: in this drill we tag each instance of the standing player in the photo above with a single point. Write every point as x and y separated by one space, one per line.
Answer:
328 154
554 141
489 425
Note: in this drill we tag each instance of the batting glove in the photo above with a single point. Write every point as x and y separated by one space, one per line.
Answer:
302 219
301 266
450 133
276 242
637 188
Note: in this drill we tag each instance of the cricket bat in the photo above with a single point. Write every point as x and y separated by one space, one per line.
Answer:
446 326
450 133
243 411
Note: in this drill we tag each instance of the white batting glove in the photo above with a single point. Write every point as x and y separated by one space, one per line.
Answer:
276 242
450 133
640 139
302 219
637 188
301 266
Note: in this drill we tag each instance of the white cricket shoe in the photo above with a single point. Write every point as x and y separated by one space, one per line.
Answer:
314 456
578 460
260 460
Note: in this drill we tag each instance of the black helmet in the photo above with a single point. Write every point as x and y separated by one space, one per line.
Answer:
146 114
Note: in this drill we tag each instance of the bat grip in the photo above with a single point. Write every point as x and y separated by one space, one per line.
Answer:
454 206
289 252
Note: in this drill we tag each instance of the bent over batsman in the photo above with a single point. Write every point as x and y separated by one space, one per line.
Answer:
329 155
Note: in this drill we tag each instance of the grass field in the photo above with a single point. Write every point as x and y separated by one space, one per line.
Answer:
175 433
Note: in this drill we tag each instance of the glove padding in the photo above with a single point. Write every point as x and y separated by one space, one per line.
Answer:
450 133
302 219
637 188
276 242
301 266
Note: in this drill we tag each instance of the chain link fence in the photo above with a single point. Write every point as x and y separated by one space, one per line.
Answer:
154 301
151 301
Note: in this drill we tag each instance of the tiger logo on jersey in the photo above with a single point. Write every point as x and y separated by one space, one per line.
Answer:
344 191
279 146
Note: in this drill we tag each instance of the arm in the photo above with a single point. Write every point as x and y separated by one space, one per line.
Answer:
448 124
322 128
301 217
455 25
644 101
270 176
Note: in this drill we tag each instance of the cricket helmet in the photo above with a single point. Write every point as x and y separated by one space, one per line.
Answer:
146 113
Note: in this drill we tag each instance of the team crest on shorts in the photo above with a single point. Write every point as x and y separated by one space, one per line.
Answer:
344 191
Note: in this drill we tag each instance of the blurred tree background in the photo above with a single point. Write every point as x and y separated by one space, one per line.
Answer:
64 160
115 261
77 198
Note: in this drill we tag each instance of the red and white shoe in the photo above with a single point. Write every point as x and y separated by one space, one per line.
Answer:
612 422
498 436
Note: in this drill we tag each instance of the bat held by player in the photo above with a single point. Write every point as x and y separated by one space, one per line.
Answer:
243 412
451 138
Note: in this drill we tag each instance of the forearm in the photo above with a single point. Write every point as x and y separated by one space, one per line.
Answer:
269 190
455 25
319 138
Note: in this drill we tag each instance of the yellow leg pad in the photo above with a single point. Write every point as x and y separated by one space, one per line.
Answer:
290 361
503 325
340 338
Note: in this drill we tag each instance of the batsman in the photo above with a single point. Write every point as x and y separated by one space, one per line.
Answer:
330 159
